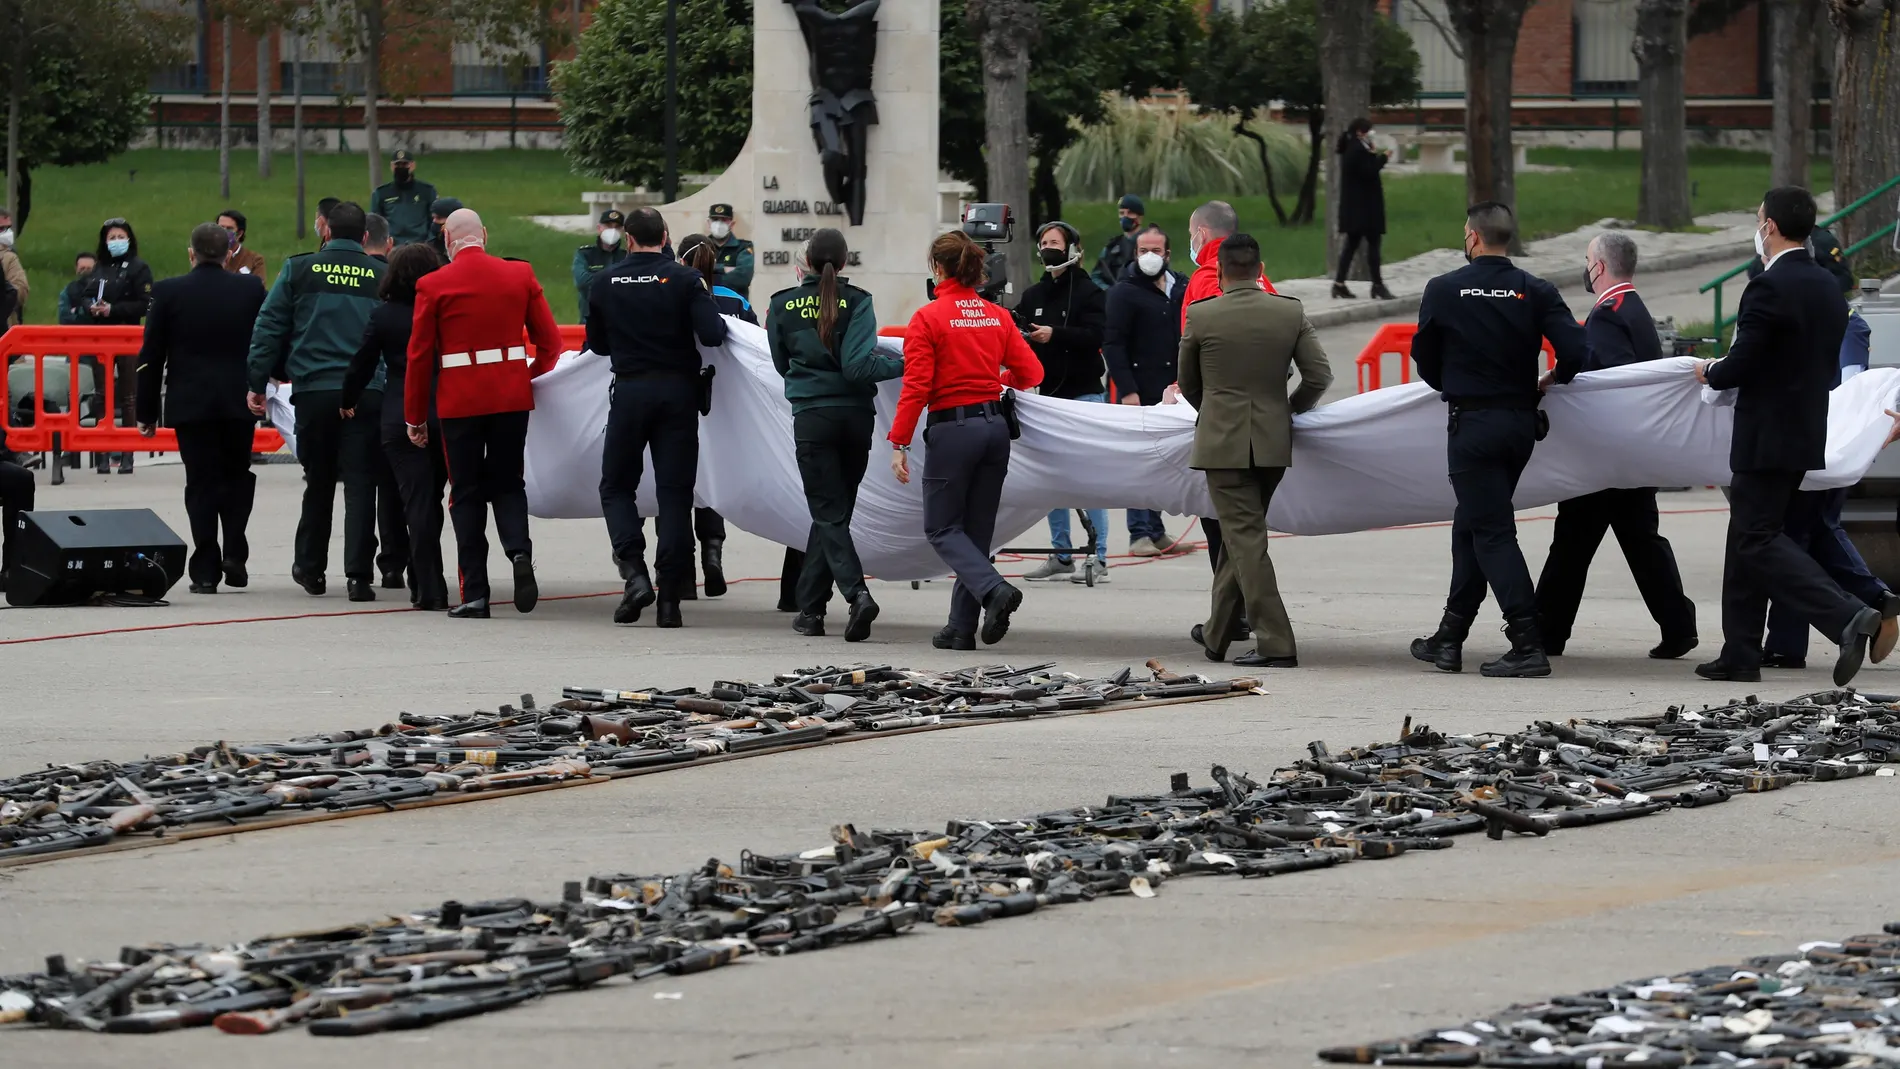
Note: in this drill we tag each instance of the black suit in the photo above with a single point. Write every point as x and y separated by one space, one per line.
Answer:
197 343
1785 357
419 474
1619 331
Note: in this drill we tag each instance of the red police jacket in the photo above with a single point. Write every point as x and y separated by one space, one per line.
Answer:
465 346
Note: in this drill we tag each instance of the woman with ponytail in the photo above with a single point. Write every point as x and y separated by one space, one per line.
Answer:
823 337
699 253
952 350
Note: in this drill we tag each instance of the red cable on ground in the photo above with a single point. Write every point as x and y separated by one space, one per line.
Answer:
1172 554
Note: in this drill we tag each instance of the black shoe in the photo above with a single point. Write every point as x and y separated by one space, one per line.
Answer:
863 610
204 588
235 575
1671 648
691 593
1868 628
102 463
313 585
1380 293
1257 659
393 580
1444 648
527 591
1724 672
668 615
1003 601
1199 634
1525 659
125 463
952 639
432 603
712 561
470 610
638 596
1340 291
360 590
810 624
1783 661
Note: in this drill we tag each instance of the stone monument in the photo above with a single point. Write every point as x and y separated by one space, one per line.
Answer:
779 186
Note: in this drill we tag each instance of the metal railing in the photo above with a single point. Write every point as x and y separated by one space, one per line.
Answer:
1722 322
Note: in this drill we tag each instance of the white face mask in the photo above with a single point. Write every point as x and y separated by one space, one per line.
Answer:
1151 263
6 237
720 230
1761 244
610 237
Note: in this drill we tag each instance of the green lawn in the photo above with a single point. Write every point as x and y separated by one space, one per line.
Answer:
166 192
1425 212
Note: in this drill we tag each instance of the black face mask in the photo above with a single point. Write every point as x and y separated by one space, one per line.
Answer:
405 175
1054 257
1589 284
1128 223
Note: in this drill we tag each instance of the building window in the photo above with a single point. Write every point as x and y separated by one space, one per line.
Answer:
478 71
189 75
325 71
1441 72
1604 32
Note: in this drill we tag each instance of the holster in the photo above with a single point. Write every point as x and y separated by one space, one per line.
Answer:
1543 424
1007 403
705 389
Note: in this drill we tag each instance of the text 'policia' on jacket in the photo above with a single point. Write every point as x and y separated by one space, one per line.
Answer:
1481 330
645 313
316 314
843 376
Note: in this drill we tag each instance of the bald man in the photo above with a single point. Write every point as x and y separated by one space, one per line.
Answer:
466 352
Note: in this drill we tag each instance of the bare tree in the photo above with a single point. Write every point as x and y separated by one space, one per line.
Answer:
264 81
1662 41
1866 110
1487 33
224 110
1005 31
1793 26
1345 71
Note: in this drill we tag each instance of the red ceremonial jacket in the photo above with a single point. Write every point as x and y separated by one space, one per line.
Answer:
1205 282
466 343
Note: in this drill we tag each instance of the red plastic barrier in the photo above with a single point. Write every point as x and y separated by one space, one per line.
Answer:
1395 339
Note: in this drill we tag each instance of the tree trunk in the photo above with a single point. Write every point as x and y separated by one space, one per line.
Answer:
1487 32
296 131
224 114
1266 167
1045 199
264 80
1309 187
16 88
1662 40
1345 71
1006 30
1866 114
373 88
1791 31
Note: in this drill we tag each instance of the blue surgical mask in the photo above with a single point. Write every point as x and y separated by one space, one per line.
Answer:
118 246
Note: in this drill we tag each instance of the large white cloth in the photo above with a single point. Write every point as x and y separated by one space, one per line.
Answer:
1374 460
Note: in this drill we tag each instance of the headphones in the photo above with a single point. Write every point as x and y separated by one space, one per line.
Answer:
1069 232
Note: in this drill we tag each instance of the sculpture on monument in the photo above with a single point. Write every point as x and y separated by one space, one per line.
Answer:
843 47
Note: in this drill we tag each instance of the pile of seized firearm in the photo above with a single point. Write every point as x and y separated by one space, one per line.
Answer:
1827 1004
1374 802
591 732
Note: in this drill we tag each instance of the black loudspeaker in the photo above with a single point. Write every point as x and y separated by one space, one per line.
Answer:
64 558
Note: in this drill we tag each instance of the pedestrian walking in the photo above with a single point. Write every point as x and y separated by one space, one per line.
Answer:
392 526
952 350
1141 340
1361 205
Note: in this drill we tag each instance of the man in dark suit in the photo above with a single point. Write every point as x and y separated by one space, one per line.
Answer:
1619 331
200 327
1784 359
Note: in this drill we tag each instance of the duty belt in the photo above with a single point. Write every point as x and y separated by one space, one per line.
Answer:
1524 402
484 356
987 408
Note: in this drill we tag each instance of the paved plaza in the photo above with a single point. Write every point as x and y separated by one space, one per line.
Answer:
1213 971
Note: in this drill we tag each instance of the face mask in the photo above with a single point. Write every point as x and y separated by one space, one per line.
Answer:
1589 283
1055 258
1128 224
1761 245
6 237
404 175
720 230
1151 263
118 246
610 237
1468 256
1195 245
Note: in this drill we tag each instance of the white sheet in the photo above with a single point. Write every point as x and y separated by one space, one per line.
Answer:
1374 460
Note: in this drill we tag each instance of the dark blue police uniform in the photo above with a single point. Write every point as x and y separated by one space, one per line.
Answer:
1479 343
645 314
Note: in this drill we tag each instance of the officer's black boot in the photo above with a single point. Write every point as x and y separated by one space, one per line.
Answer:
668 614
712 561
1526 658
639 593
1444 648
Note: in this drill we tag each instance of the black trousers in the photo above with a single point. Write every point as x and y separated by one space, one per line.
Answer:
965 463
331 447
793 567
1352 248
708 526
833 447
392 530
486 456
1215 543
420 476
660 412
1580 527
1486 451
219 490
1814 523
16 496
1763 563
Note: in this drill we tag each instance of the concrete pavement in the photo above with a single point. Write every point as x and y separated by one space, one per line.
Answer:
1211 972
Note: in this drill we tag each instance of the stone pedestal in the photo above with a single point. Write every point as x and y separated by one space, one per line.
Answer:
777 189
